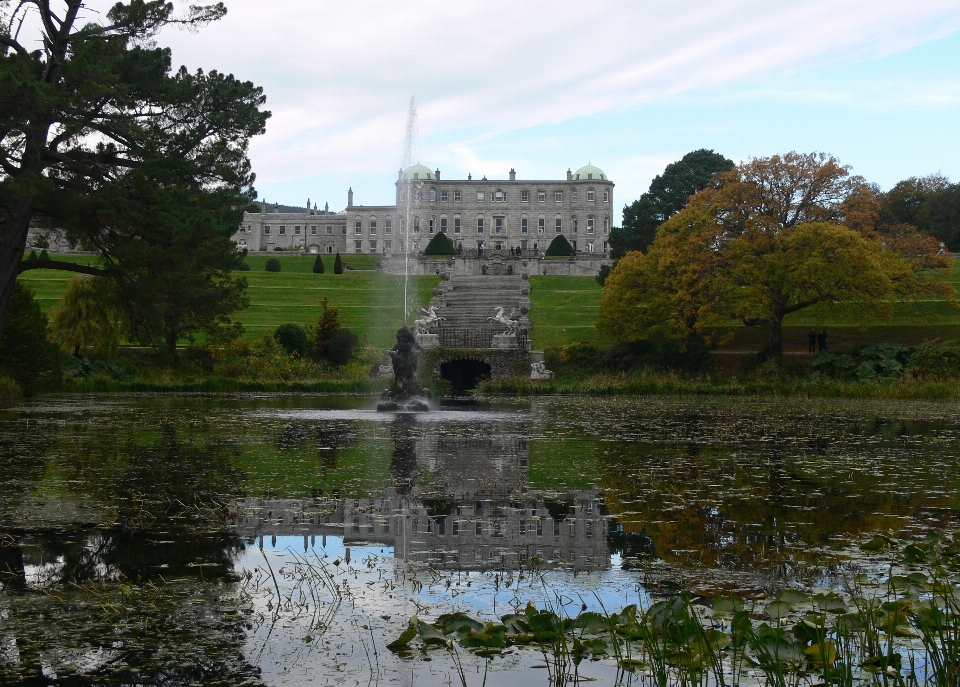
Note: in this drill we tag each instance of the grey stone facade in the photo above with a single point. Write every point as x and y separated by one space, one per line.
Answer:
480 216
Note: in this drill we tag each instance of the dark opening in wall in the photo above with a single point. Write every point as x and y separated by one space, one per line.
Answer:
464 374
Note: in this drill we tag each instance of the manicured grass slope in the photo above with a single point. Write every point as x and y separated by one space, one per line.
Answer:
563 310
370 302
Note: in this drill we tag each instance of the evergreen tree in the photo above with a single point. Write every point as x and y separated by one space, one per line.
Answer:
338 265
440 244
318 264
559 247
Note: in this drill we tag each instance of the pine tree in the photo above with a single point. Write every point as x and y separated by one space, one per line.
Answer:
338 265
318 264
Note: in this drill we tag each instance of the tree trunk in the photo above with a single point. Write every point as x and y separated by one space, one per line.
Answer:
171 340
12 245
775 336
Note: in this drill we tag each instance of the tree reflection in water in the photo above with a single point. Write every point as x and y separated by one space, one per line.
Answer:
130 600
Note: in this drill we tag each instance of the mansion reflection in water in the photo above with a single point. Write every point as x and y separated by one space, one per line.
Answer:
455 503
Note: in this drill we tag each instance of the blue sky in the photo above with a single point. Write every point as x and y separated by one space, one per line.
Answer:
628 86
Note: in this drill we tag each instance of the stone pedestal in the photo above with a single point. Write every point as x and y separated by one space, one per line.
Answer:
505 341
427 341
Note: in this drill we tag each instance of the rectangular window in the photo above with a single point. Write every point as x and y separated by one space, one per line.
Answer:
431 225
373 227
606 224
498 225
590 246
388 227
443 224
523 225
266 230
588 529
479 527
416 224
373 246
479 196
573 198
541 225
357 228
576 225
606 196
456 527
357 246
542 197
499 197
556 528
441 527
386 527
558 197
539 528
559 225
343 230
283 230
524 196
456 196
433 195
590 195
479 225
388 245
313 231
589 225
523 527
296 230
456 225
443 196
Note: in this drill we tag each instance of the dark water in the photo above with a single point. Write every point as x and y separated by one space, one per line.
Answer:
286 540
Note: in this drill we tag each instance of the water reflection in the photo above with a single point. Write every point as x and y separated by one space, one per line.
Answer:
455 503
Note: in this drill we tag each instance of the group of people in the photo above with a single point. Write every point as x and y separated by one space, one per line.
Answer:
515 251
817 341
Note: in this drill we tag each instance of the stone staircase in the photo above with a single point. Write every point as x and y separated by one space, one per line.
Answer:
467 301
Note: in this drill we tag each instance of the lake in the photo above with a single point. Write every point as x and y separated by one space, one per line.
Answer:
285 539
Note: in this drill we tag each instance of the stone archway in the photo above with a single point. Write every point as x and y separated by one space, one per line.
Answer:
464 373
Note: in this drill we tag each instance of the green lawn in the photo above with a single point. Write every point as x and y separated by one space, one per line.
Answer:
370 302
563 310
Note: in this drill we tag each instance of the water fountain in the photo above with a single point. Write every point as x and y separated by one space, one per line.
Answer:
405 393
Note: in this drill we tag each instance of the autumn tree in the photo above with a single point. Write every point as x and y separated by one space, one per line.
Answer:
87 319
667 195
768 239
101 138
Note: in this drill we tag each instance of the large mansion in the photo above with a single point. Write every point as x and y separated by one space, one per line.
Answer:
479 215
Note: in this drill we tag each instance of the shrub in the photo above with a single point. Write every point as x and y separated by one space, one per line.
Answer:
26 354
318 264
338 265
9 392
273 265
33 256
44 255
293 339
440 244
341 347
882 362
936 360
42 241
559 247
244 266
601 277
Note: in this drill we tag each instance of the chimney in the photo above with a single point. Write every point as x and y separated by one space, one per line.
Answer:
326 208
263 207
309 211
276 208
513 174
438 174
569 175
350 197
469 177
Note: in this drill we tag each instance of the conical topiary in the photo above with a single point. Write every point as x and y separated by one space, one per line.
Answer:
33 256
318 264
440 244
338 265
44 255
560 247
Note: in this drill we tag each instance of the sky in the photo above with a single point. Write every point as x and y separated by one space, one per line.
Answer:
546 86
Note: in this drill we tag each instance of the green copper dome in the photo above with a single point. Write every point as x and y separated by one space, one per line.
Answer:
589 172
417 171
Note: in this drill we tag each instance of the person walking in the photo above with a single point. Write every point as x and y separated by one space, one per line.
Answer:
812 341
822 341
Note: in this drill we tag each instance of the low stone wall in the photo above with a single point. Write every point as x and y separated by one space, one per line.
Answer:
494 264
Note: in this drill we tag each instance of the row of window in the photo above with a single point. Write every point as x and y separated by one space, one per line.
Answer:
499 196
498 227
495 527
282 230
